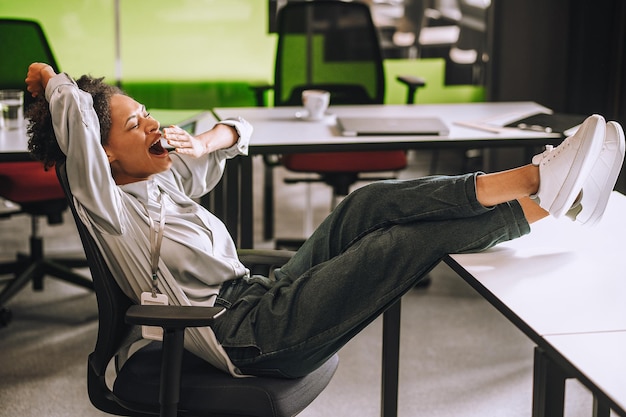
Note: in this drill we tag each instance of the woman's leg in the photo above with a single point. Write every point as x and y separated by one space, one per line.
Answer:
513 184
303 319
384 203
426 199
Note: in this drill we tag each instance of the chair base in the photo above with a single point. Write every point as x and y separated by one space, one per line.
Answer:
28 269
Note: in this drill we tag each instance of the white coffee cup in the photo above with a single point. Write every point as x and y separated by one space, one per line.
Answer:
315 102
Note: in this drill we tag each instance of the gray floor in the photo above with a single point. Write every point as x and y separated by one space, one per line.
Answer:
459 356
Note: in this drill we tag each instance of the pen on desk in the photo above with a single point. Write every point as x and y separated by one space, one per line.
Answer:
478 126
534 128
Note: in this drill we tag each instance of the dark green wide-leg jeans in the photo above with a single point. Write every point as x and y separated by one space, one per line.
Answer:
366 254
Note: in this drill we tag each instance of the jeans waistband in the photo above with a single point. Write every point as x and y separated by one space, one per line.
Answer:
229 292
232 290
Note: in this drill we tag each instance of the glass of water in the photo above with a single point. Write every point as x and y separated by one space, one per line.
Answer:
11 109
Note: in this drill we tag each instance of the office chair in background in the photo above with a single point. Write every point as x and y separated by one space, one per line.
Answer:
334 46
37 192
164 379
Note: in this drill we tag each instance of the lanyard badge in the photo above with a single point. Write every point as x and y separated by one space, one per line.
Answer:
154 297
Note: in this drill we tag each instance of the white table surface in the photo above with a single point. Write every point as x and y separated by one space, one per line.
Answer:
600 357
276 126
14 143
562 277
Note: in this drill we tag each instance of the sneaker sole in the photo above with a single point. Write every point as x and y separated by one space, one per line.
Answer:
582 164
599 205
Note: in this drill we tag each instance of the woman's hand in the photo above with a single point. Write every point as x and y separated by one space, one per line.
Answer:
221 136
37 77
184 142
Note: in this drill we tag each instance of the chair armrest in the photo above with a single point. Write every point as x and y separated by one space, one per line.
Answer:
413 83
259 93
264 261
172 317
174 320
181 317
271 257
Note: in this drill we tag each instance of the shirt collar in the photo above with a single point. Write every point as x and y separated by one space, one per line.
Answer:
143 191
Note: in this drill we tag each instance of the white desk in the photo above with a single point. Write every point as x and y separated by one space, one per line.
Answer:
561 278
600 359
14 143
563 284
278 130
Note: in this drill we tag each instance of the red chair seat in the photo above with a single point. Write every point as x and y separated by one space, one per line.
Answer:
27 182
323 162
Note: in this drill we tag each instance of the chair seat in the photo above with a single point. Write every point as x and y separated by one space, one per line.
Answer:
26 182
322 162
206 390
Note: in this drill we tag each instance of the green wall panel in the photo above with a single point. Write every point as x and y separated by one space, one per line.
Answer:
189 53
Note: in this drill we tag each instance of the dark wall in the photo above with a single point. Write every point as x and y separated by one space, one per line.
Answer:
567 55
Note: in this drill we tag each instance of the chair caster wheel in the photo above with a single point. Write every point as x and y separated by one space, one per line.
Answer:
5 317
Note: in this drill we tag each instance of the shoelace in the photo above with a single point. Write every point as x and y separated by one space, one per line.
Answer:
537 159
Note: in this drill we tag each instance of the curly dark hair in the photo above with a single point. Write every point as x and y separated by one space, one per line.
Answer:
42 143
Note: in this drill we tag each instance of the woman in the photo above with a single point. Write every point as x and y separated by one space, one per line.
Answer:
369 251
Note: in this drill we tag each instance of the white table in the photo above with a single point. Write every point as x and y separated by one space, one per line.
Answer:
14 143
560 278
277 130
598 359
561 285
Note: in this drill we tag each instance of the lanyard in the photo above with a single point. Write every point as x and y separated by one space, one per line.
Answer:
156 237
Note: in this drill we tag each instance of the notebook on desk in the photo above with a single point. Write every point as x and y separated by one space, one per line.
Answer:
392 126
564 123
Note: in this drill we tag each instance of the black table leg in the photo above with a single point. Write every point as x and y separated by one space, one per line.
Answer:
548 387
390 360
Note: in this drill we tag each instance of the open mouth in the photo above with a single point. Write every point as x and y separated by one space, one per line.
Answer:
157 148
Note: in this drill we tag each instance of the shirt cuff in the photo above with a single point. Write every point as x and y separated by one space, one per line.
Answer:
244 130
57 81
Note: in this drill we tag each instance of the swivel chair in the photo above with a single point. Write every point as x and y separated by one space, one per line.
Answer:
36 191
163 378
329 45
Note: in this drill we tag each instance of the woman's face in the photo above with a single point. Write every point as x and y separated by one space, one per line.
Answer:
133 148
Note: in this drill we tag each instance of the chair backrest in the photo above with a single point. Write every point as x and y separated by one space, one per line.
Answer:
113 332
22 42
331 45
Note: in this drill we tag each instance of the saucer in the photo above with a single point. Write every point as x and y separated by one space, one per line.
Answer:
304 115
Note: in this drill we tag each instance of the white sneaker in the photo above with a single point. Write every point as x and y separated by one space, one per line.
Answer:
563 170
598 186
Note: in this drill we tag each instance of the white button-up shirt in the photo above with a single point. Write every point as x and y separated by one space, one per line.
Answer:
197 253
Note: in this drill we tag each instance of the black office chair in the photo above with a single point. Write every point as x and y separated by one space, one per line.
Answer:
37 192
334 46
163 378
